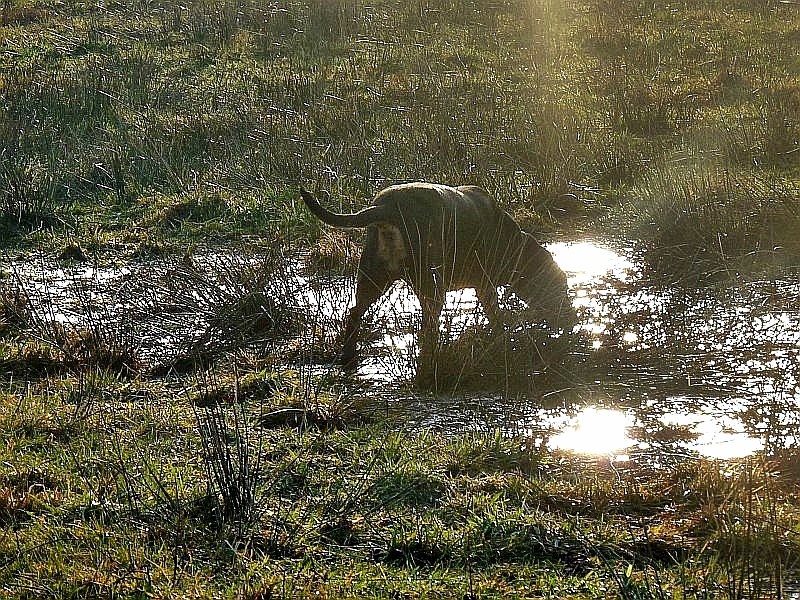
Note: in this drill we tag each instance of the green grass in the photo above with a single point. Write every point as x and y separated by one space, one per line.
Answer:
126 493
559 110
141 131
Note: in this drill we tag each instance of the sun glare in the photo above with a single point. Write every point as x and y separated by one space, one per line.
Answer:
596 431
584 261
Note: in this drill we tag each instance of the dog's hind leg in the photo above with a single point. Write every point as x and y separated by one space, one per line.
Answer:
374 278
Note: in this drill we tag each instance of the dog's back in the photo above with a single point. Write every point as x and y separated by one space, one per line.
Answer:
461 231
438 238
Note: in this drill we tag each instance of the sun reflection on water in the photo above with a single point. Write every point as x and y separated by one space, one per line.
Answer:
719 437
588 266
606 432
596 431
584 262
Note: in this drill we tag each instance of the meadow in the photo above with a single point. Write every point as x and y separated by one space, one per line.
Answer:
170 422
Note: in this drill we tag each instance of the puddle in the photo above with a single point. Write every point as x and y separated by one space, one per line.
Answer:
660 372
678 372
708 371
63 292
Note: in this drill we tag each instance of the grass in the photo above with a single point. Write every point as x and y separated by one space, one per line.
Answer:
172 435
198 121
713 221
139 513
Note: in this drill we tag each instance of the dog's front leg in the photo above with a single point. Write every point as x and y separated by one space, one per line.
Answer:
349 337
431 299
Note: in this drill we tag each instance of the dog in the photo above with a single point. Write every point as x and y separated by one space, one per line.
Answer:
439 238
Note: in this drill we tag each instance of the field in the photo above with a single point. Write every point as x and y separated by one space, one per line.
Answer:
171 423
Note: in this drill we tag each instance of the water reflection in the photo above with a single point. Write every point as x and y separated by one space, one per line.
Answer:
61 292
618 434
658 370
717 436
586 262
596 431
709 371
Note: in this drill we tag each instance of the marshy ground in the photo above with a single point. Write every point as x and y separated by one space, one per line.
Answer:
171 417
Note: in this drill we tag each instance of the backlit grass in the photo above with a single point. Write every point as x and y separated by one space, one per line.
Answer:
135 113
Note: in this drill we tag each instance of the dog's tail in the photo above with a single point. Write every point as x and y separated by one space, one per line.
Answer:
363 218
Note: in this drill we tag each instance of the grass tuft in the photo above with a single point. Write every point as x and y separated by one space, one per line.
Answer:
14 308
700 219
28 195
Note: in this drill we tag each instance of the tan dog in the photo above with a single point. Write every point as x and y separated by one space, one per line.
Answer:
438 238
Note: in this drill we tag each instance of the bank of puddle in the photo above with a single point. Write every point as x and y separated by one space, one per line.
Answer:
673 371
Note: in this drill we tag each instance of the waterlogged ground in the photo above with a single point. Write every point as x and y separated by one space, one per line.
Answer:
664 371
655 371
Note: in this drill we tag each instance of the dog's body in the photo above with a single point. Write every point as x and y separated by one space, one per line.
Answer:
438 238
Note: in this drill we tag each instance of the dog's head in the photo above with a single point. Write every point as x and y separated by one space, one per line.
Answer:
542 285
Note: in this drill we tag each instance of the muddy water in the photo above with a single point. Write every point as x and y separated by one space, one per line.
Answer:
665 371
657 371
64 291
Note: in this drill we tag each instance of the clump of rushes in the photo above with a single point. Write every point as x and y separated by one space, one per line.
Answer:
187 209
749 542
95 347
286 400
696 219
642 107
233 463
73 252
768 135
301 402
335 250
521 358
250 387
208 305
14 308
31 359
